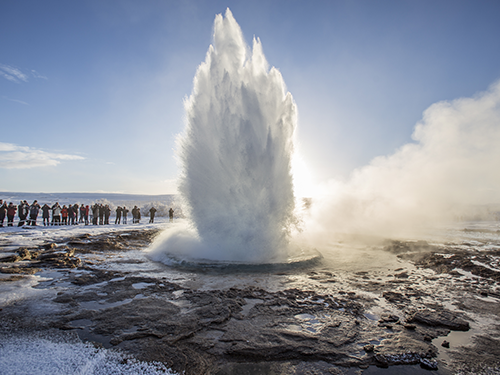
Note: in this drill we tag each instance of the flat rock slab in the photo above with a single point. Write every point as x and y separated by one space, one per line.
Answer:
442 318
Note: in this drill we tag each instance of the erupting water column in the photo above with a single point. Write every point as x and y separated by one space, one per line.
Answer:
236 153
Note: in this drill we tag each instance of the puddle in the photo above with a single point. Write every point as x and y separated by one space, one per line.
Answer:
309 323
83 331
371 316
456 339
141 285
99 305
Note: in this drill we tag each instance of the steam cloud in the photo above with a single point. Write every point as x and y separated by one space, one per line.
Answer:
451 169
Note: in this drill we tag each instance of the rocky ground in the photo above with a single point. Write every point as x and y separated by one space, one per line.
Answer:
439 310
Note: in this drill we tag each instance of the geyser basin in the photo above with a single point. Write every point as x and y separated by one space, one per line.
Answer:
297 258
235 156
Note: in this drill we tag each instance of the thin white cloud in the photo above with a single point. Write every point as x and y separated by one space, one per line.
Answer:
15 100
19 157
12 74
38 75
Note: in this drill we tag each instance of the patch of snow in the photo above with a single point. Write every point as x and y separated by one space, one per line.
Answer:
44 355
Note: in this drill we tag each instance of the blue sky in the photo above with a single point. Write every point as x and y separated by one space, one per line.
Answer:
91 92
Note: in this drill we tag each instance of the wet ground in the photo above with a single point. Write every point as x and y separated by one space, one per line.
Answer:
369 306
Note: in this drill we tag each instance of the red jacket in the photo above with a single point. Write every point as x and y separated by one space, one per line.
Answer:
11 210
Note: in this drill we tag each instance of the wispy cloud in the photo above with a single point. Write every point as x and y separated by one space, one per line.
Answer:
15 100
19 157
12 74
35 74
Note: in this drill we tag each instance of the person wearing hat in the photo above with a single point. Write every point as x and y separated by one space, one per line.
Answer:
46 214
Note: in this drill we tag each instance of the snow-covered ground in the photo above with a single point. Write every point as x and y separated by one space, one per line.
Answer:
65 353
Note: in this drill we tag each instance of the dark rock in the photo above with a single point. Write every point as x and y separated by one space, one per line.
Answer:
395 297
445 344
368 348
443 318
381 360
398 247
389 318
11 259
26 270
402 275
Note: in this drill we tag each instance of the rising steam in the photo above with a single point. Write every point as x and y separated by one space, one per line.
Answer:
450 171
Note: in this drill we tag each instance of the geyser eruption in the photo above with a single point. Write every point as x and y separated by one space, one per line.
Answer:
235 156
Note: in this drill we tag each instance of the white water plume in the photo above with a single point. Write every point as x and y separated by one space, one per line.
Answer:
235 156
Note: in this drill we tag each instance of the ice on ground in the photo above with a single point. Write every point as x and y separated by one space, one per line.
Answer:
22 289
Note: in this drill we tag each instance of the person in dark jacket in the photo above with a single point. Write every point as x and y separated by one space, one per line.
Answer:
107 213
3 211
74 218
82 214
95 213
34 210
136 215
11 212
46 214
71 215
152 212
171 215
22 212
101 214
118 215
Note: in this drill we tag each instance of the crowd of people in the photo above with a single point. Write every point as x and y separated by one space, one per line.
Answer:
73 214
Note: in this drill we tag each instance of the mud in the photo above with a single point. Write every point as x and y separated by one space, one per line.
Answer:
324 322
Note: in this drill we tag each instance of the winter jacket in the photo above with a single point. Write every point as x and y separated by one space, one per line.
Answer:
45 211
56 210
11 210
